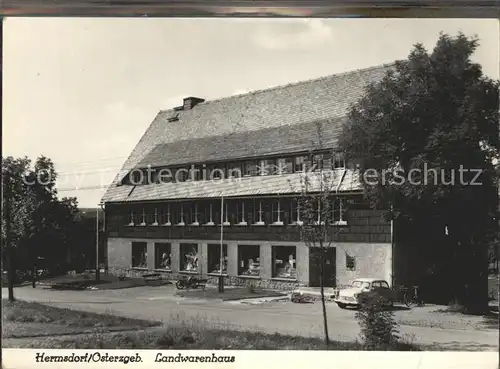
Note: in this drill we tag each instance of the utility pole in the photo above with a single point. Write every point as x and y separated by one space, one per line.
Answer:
221 278
97 269
7 193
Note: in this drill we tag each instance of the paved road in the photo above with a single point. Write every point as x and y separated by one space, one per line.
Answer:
159 303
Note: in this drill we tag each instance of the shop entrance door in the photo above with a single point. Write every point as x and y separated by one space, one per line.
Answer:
329 274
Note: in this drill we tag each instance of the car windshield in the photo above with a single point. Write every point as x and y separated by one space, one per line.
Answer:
360 284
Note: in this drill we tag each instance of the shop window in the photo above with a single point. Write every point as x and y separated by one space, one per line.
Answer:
189 257
214 258
285 262
350 262
139 255
249 260
163 256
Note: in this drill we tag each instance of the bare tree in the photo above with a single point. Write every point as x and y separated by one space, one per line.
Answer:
319 209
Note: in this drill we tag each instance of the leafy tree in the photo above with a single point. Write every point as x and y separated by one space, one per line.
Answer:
34 222
437 113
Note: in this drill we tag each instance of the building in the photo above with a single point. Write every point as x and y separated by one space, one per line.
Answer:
241 156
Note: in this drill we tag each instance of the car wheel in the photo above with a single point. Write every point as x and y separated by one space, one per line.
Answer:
341 305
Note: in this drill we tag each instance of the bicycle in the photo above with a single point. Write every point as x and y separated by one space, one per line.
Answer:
413 299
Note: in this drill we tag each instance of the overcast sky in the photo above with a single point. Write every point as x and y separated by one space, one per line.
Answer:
82 91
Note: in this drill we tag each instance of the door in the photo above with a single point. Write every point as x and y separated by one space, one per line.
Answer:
329 275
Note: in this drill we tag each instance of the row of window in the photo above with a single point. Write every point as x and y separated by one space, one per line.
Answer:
247 168
283 259
237 212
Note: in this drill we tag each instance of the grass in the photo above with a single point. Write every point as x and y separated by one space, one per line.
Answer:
194 333
21 318
228 294
106 282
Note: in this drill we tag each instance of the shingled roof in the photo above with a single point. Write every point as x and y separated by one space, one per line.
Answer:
231 121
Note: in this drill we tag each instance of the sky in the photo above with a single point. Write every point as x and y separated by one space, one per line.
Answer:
82 91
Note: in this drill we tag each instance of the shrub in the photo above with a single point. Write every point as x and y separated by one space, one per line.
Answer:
251 288
379 331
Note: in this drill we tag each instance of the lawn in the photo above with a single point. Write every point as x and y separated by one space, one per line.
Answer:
229 294
191 334
106 282
29 319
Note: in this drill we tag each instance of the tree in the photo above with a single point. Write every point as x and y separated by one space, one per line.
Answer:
420 136
34 222
317 204
17 223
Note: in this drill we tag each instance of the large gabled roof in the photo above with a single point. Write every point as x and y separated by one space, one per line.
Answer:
324 99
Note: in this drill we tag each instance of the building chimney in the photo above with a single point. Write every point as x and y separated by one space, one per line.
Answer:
191 102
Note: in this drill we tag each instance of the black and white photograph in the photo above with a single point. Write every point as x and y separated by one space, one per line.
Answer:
176 184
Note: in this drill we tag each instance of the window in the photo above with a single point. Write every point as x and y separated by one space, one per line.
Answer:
216 172
284 166
194 215
295 213
240 213
267 167
299 163
234 171
259 214
209 214
163 256
350 262
226 214
144 219
249 260
214 258
195 174
131 218
284 262
166 216
189 257
139 255
181 216
250 168
339 160
277 213
338 210
155 217
318 161
181 175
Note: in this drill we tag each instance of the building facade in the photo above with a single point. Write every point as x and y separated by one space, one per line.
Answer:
229 172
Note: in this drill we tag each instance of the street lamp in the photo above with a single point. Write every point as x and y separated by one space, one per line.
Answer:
97 268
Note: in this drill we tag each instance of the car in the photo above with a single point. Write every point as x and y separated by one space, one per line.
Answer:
362 288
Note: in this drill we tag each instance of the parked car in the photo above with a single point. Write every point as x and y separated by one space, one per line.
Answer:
365 288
